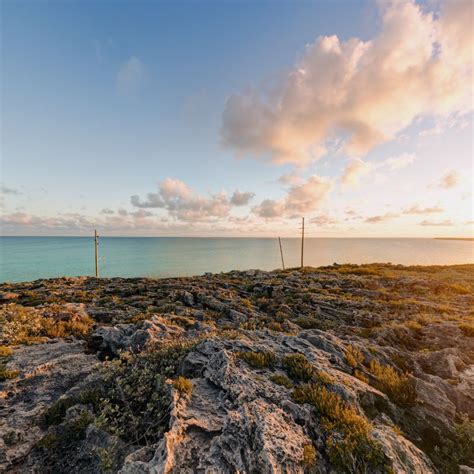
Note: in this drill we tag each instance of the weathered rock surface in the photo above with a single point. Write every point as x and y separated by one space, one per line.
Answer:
47 371
416 321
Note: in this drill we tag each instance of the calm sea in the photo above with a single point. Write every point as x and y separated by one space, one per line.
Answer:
30 258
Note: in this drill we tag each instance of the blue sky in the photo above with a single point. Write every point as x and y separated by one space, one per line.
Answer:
102 101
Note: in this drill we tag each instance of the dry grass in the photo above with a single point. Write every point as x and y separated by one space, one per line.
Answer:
399 387
25 325
258 360
354 356
183 386
349 443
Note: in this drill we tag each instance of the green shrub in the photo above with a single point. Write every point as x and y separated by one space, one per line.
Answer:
136 401
298 367
457 451
349 443
258 360
400 388
282 380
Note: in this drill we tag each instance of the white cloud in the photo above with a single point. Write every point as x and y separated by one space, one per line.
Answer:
399 162
357 169
417 65
299 200
131 77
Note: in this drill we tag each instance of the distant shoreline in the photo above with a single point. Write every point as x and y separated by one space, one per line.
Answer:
454 238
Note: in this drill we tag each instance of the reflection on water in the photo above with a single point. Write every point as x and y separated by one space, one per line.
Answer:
29 258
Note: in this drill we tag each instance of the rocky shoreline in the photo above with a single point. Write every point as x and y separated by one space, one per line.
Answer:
335 369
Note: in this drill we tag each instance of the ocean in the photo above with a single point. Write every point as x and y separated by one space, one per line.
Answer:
31 258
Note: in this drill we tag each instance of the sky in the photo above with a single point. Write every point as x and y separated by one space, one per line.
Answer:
237 118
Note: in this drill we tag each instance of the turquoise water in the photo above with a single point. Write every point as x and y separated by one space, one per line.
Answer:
30 258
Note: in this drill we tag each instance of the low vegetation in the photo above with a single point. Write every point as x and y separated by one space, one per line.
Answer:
258 360
392 320
27 325
349 442
399 387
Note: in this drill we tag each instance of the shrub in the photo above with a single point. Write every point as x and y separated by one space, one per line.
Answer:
258 360
467 329
5 351
457 451
354 356
307 323
6 374
349 443
275 326
282 380
310 456
400 388
361 376
25 325
183 385
136 400
298 367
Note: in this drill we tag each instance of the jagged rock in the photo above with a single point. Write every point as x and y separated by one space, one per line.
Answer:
237 420
46 371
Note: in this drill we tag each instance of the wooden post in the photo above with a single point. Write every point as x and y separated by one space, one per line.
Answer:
302 244
96 240
281 253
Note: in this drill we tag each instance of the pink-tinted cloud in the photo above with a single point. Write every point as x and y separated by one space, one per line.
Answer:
416 209
449 180
299 200
417 65
381 218
182 203
445 223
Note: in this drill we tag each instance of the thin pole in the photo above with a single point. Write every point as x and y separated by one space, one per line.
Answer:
302 243
96 240
281 253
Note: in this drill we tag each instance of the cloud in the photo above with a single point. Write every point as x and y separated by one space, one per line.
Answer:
449 180
182 203
416 209
107 211
444 223
290 178
323 220
418 64
241 199
6 190
381 218
299 200
131 76
399 162
355 170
